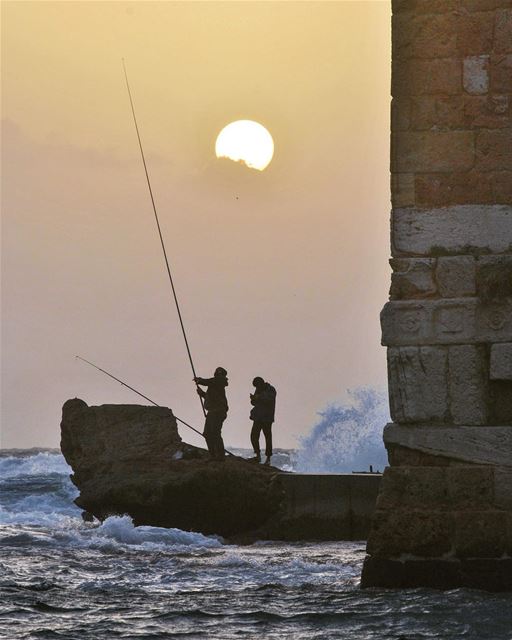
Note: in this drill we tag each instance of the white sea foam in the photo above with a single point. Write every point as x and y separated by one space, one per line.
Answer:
43 463
348 436
118 533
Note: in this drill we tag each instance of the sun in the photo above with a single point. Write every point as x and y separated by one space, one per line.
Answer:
246 141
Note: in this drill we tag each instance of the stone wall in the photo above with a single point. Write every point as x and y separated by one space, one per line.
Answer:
448 324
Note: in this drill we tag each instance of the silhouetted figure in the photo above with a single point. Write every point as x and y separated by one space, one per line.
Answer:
216 406
262 414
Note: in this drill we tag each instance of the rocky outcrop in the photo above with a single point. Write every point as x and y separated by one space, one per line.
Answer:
130 459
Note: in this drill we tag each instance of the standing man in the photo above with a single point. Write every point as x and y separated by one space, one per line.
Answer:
216 406
262 414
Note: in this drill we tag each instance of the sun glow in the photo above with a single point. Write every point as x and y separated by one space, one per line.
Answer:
246 141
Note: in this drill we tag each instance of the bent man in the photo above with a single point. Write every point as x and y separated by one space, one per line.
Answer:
216 406
262 414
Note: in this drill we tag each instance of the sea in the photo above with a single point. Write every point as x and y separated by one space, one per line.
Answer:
64 578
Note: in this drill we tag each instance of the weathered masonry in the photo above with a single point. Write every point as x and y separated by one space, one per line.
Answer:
444 512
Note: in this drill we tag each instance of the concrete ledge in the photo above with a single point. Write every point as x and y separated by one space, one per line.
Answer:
326 506
476 445
451 230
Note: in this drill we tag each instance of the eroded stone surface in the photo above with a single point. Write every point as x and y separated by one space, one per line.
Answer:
476 74
477 445
456 276
451 321
467 383
412 278
501 362
455 230
417 384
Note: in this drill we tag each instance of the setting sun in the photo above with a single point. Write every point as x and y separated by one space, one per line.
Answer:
246 141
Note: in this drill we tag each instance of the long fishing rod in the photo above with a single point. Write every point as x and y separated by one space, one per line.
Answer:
160 233
145 397
137 392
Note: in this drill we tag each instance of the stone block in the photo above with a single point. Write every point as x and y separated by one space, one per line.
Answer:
452 322
494 150
400 114
432 151
446 189
470 445
418 488
503 489
402 189
456 276
475 76
430 322
474 32
494 323
488 112
437 111
484 5
480 534
470 487
467 382
424 6
494 279
418 384
503 31
501 73
405 323
501 361
420 533
502 187
412 278
420 36
451 230
424 77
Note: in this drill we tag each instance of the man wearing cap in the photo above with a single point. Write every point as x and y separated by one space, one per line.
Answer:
216 406
263 402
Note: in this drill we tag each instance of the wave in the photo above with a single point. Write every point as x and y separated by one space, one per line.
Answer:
40 463
37 508
348 436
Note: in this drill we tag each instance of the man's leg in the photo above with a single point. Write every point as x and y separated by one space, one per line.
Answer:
218 443
255 439
267 432
208 435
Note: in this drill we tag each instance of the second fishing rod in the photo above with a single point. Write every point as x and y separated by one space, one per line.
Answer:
160 233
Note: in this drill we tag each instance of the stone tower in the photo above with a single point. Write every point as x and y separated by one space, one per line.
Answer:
444 513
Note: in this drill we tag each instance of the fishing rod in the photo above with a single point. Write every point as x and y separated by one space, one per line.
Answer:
160 233
145 397
137 392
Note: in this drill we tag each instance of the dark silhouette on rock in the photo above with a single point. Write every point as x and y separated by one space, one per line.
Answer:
130 459
262 414
216 407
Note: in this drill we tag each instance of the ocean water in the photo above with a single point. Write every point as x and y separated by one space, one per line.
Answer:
63 578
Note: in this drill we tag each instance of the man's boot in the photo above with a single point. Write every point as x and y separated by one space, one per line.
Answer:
267 460
257 458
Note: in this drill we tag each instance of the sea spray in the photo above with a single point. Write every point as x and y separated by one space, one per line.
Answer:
348 436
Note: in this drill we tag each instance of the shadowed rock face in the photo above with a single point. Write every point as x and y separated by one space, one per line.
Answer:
130 459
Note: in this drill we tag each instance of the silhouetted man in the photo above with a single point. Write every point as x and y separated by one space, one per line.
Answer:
216 406
262 414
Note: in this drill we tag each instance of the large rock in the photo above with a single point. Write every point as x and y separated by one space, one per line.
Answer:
130 459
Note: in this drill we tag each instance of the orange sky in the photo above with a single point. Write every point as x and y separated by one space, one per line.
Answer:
280 273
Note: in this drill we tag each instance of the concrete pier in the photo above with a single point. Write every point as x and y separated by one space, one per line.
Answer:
327 506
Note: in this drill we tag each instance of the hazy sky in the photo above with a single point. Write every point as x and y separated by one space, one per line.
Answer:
280 273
